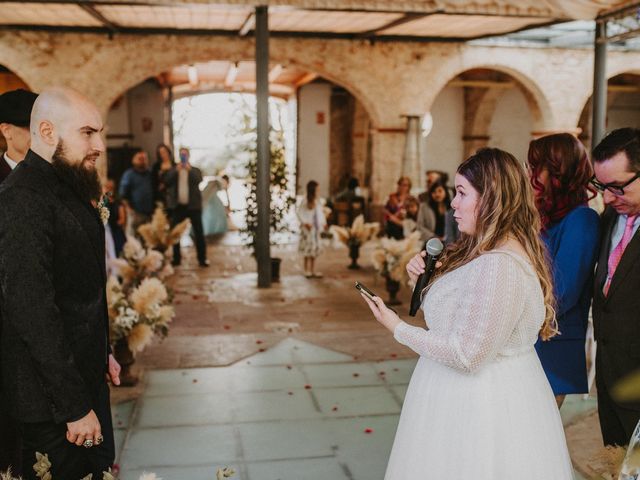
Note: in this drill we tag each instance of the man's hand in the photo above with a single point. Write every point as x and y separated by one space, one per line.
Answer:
114 371
87 428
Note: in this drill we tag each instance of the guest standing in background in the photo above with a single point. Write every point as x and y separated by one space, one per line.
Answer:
136 191
560 172
440 203
312 223
184 199
15 115
164 163
394 210
117 216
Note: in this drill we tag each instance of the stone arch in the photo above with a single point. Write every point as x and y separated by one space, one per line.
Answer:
536 99
618 77
235 49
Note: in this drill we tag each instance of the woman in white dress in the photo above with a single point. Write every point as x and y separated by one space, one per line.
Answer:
479 404
312 223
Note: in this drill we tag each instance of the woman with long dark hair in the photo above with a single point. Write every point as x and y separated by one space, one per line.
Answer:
479 405
312 223
560 172
163 164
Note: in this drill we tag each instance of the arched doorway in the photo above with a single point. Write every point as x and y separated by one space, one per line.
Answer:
623 106
478 107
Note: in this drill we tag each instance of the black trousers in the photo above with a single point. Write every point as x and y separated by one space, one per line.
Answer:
617 420
68 461
179 214
10 441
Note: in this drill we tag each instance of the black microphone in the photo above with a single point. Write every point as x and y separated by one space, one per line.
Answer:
434 248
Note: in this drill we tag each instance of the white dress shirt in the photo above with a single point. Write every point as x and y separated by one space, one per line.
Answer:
10 162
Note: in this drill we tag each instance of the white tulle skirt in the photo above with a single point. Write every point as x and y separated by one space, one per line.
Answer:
499 423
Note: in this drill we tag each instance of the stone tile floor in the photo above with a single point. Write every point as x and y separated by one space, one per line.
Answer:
294 412
280 383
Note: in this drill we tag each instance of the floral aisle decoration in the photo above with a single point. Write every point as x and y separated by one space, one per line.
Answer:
390 259
355 237
139 302
42 468
159 235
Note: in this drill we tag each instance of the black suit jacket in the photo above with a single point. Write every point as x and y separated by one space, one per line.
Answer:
54 342
195 196
616 317
5 169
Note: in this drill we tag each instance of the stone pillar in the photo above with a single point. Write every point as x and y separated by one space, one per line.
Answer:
472 143
411 158
387 153
360 145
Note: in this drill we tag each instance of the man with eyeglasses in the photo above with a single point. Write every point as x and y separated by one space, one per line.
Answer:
616 300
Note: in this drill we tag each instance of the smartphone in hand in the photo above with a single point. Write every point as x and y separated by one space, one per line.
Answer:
369 294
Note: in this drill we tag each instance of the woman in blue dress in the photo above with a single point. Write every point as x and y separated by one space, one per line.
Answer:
214 213
560 172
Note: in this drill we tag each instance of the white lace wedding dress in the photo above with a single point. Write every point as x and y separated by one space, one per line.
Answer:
479 405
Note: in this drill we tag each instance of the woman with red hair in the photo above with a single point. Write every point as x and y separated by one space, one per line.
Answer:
560 172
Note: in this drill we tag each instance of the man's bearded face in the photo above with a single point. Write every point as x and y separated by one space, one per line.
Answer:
79 172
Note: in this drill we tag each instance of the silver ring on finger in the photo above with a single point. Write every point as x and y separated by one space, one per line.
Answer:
88 443
99 440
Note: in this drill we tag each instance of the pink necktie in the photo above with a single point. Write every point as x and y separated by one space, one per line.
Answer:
616 255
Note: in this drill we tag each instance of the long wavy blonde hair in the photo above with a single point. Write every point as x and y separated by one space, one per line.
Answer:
506 208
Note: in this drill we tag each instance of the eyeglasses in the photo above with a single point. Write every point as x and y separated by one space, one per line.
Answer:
617 190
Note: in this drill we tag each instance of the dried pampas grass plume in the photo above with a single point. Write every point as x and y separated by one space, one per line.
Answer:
146 297
140 336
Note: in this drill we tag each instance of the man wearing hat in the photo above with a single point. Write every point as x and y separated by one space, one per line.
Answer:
15 115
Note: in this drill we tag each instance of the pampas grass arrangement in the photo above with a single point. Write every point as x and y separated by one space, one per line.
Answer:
358 234
391 256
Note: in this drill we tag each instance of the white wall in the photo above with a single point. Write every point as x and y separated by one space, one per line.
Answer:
118 122
141 104
512 124
313 137
443 148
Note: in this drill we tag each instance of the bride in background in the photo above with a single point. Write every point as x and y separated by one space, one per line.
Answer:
479 404
214 213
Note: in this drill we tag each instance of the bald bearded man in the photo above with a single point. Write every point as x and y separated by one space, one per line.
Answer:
55 355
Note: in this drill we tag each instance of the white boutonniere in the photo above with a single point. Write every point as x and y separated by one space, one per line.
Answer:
103 210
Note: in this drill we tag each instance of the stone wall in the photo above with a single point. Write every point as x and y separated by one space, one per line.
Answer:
388 79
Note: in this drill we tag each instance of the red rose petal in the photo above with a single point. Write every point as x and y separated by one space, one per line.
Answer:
262 350
307 387
334 409
394 355
259 342
368 430
382 373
